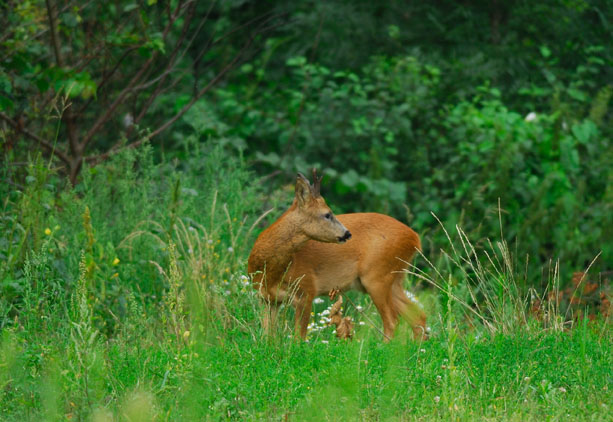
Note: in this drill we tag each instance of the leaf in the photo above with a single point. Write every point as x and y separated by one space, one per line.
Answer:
549 75
181 101
5 83
584 131
545 51
129 7
271 158
6 104
296 61
393 31
350 179
577 94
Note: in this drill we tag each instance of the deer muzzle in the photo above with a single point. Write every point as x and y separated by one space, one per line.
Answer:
345 237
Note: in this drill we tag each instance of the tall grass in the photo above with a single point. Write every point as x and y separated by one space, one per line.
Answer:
127 299
491 289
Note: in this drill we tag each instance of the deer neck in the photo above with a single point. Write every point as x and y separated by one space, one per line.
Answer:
274 249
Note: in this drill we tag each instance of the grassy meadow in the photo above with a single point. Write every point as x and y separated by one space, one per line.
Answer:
145 144
126 299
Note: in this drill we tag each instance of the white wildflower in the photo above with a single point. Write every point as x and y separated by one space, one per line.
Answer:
410 295
413 298
437 399
318 301
230 249
530 117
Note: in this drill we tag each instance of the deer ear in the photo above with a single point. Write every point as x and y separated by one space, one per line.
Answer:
302 189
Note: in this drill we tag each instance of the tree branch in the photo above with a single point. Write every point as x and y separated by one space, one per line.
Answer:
169 122
108 76
54 37
208 86
262 28
48 146
171 63
129 87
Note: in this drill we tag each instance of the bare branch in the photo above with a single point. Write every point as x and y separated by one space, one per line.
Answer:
116 148
170 67
171 62
108 76
48 146
54 37
68 115
197 95
129 87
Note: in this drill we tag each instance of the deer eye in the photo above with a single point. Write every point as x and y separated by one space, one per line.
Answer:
328 216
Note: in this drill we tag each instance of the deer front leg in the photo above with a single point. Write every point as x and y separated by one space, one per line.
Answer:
303 307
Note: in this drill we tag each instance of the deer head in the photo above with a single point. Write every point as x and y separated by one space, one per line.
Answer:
313 216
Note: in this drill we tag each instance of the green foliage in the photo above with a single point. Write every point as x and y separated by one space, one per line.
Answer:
548 178
128 195
136 303
389 143
353 126
408 109
123 294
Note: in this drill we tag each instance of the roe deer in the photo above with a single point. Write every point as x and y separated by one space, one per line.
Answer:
306 253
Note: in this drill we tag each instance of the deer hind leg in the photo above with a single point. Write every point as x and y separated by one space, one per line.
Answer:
378 287
387 293
409 309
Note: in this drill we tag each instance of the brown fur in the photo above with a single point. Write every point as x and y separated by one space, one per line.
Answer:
291 260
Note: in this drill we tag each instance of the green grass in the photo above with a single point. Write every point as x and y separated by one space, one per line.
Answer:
133 306
226 373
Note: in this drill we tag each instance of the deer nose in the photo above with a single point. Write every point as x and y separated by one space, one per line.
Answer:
345 237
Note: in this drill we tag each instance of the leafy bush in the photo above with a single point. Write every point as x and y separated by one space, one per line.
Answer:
355 127
390 142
